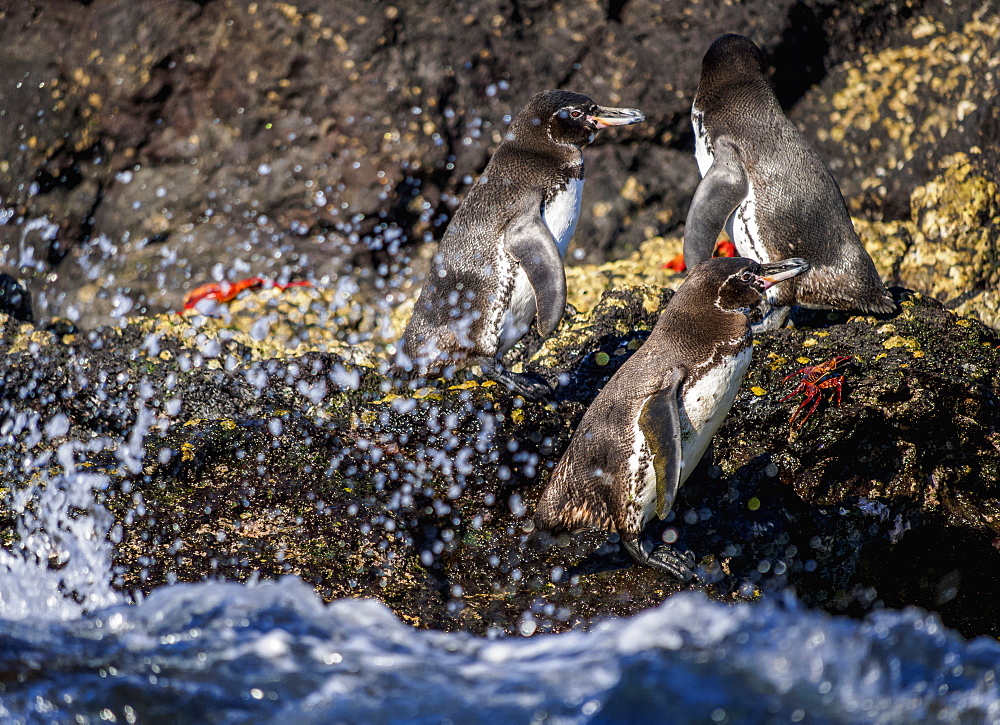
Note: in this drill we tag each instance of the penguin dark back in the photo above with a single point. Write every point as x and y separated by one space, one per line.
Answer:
770 191
499 264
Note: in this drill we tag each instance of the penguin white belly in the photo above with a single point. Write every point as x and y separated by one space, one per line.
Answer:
561 213
706 404
640 467
741 226
744 231
520 313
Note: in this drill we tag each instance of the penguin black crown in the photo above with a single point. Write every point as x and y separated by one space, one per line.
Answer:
650 425
770 190
500 262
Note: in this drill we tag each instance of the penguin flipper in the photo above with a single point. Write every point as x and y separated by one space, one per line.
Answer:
725 185
660 423
533 246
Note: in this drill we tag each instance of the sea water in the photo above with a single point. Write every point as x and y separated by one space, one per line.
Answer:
72 650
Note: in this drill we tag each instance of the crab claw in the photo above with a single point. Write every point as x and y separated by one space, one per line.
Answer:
723 248
226 291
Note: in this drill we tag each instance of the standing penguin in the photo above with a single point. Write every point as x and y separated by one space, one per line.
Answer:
771 191
500 262
650 425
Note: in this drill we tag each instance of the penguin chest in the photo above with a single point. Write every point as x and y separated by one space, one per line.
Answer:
744 230
703 405
741 226
560 212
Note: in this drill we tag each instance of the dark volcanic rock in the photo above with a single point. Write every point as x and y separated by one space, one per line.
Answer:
225 460
155 146
172 142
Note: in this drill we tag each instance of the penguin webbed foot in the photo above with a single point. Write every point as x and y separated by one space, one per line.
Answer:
661 557
528 385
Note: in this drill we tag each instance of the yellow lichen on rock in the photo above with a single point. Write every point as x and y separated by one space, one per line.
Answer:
586 283
886 243
984 306
956 218
278 324
950 247
935 75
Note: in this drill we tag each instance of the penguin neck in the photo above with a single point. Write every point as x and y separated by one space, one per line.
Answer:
536 140
752 94
728 328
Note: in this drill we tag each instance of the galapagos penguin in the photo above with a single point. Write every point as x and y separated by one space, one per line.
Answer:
650 425
771 191
500 262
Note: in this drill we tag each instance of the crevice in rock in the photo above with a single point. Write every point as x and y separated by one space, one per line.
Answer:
615 9
799 60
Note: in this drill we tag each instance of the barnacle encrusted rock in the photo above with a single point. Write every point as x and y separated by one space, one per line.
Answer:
950 247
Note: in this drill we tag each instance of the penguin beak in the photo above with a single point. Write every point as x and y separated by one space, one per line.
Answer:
785 269
604 117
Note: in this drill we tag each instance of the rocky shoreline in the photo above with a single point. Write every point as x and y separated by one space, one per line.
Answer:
267 441
260 462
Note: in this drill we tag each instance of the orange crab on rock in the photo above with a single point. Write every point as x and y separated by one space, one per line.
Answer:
815 379
218 292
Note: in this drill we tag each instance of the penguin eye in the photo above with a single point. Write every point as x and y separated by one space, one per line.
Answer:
576 113
747 276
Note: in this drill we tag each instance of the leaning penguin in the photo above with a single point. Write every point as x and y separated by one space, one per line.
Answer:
650 425
500 262
771 191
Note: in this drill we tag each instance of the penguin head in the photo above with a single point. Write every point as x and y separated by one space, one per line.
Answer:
741 282
568 118
733 56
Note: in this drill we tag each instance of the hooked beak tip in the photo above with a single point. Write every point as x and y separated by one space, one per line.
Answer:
780 271
617 117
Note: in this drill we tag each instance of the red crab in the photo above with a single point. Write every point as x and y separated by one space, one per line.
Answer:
814 379
225 291
723 248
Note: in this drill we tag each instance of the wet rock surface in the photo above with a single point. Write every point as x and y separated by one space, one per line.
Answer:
254 462
150 149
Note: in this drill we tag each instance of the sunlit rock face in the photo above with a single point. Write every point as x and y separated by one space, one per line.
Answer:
149 150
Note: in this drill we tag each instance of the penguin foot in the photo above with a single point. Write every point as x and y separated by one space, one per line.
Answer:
528 385
770 318
662 557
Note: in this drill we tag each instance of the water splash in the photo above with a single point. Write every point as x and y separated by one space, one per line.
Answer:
233 653
60 566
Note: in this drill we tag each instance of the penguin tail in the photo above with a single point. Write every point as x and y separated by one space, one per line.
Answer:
562 517
884 305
